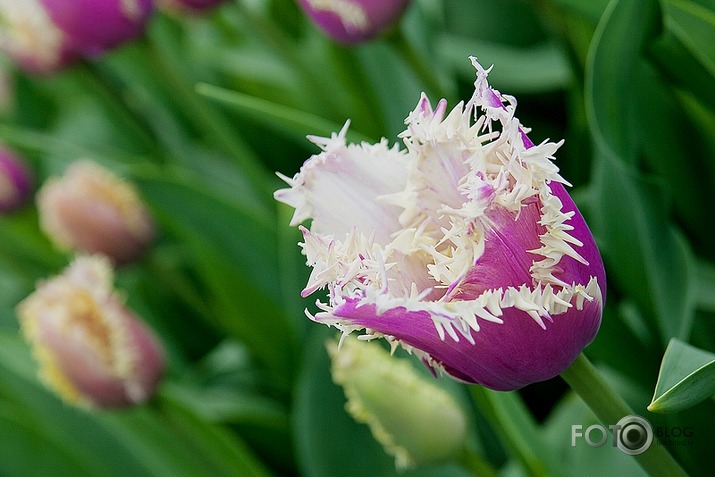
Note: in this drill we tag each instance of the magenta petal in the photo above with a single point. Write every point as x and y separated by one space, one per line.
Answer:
353 21
504 356
93 26
572 270
506 261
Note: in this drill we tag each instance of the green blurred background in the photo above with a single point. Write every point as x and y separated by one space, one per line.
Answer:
199 113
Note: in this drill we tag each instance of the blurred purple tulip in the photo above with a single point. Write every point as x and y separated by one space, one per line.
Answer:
92 349
465 248
353 21
91 210
43 36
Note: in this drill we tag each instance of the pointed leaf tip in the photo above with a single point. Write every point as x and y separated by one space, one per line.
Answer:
687 377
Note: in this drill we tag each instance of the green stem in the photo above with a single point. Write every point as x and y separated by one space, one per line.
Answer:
609 408
424 71
514 426
476 464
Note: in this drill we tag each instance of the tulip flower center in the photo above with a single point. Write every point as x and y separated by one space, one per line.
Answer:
84 316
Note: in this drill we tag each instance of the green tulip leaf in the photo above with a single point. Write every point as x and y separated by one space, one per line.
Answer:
591 10
687 377
291 122
233 250
538 68
655 264
694 25
706 286
678 63
612 70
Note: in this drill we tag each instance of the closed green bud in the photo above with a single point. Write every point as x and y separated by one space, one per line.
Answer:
414 419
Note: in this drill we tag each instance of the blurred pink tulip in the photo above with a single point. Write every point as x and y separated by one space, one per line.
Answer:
91 210
92 350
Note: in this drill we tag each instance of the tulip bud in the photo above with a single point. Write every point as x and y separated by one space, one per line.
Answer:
464 248
187 5
92 350
353 21
91 210
15 182
43 36
415 420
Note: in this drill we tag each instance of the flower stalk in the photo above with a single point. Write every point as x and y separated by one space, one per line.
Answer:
609 408
416 60
476 464
514 426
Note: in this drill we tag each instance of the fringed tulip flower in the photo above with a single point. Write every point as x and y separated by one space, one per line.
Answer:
353 21
89 209
465 248
43 36
15 182
414 420
92 350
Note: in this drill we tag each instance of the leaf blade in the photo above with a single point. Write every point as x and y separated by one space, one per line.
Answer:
687 377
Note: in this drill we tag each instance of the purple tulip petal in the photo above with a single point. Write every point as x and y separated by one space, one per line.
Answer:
93 26
353 21
501 356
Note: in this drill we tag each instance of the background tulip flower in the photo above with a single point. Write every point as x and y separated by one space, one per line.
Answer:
353 21
464 248
92 350
415 420
42 36
15 181
91 210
